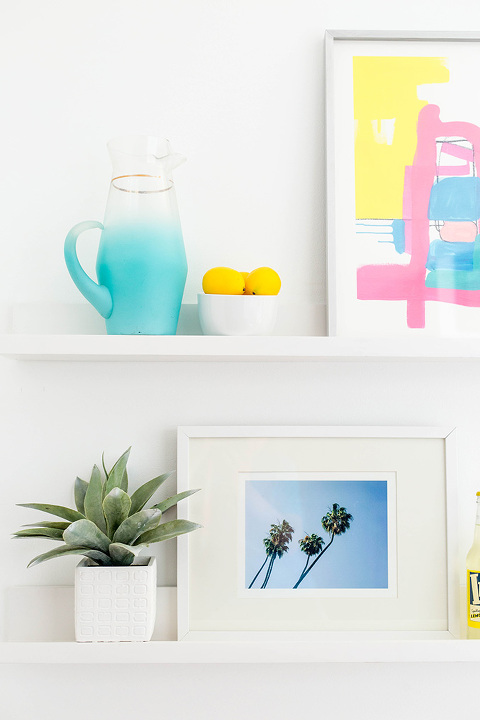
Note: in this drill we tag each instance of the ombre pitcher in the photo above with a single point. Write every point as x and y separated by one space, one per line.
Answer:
141 263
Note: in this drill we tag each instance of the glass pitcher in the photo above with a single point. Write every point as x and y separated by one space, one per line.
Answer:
141 263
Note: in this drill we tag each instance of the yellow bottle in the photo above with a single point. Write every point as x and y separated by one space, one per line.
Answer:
473 582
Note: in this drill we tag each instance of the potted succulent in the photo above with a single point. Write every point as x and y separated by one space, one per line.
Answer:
115 589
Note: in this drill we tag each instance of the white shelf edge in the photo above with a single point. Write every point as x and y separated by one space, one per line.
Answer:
173 652
95 348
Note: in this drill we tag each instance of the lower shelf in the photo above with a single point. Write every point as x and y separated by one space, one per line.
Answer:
172 652
39 628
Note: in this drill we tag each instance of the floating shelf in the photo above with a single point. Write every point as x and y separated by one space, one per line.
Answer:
127 348
242 652
40 629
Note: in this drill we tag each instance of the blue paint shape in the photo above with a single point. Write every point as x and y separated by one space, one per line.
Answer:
453 280
450 256
452 266
395 228
398 227
385 227
455 198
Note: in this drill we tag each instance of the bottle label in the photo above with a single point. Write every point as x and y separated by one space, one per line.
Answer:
473 585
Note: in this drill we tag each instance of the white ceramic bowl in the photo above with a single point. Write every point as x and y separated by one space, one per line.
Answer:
237 314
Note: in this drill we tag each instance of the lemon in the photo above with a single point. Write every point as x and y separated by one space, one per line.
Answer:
244 275
263 281
223 281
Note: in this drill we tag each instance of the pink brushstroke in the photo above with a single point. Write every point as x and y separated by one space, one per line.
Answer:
455 170
463 231
407 282
463 153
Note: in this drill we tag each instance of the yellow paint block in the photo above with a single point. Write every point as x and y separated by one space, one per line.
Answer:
386 108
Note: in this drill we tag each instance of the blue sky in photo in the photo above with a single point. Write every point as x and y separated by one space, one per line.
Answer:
356 559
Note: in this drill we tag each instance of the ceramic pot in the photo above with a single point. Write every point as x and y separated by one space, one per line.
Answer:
237 314
115 603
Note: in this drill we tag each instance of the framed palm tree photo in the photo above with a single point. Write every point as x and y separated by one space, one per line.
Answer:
313 530
317 534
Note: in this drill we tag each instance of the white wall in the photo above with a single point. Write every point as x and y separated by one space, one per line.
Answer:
237 86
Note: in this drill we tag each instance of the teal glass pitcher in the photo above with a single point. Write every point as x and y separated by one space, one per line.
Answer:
141 263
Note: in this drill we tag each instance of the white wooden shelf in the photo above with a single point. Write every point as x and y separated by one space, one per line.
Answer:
39 629
95 348
264 652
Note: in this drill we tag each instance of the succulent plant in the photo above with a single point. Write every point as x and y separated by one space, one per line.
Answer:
109 526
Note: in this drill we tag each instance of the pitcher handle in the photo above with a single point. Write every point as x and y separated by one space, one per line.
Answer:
98 295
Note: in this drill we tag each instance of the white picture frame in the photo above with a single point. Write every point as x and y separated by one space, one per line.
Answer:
363 300
421 601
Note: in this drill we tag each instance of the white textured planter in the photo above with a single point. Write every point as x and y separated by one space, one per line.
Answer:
115 603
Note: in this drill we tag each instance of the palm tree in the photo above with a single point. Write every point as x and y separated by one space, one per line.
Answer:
335 522
272 549
311 545
275 546
269 549
280 537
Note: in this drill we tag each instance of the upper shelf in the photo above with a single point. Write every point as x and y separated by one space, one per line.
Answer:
128 348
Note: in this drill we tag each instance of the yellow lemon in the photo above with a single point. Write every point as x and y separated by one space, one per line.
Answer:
223 281
262 281
244 275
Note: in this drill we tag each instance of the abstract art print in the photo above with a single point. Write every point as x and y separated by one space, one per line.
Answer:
328 534
404 189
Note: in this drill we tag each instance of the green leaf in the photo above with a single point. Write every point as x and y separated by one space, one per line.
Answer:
103 465
141 496
49 524
100 557
171 501
84 533
135 525
57 510
123 554
93 500
80 490
51 533
166 531
117 477
116 508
